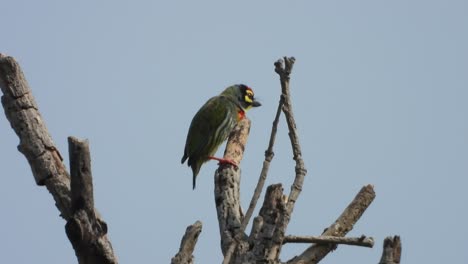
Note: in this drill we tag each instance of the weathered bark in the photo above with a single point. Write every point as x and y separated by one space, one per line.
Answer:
362 241
266 241
300 170
257 247
340 227
187 245
86 231
227 186
391 251
35 142
296 188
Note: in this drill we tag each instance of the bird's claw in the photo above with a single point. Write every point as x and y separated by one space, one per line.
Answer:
228 162
224 161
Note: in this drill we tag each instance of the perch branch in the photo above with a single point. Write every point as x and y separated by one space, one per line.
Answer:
227 184
340 227
269 154
187 245
36 144
391 251
362 241
86 232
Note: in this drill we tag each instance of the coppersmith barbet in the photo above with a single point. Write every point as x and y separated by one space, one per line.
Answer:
213 123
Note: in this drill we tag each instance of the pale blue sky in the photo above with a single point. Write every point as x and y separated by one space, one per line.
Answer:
379 92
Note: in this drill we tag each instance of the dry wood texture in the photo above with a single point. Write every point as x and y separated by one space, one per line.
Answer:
227 186
362 241
187 245
86 231
391 251
340 227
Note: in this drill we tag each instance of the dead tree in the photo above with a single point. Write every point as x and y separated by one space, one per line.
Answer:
264 242
87 231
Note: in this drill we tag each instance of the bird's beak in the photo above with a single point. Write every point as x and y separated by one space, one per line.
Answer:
256 103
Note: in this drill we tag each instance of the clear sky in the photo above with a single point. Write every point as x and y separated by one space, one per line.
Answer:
379 90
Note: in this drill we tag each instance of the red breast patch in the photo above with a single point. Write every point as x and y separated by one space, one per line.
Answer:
240 115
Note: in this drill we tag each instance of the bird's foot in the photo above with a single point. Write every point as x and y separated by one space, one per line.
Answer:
224 161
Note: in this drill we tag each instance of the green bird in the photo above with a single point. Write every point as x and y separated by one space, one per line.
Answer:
213 123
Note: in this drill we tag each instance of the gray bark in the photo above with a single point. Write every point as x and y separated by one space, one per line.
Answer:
362 241
35 143
227 186
340 227
187 245
391 251
86 230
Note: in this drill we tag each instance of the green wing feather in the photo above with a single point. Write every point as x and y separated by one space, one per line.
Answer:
210 126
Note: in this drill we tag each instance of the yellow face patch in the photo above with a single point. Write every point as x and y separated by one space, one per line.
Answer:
248 97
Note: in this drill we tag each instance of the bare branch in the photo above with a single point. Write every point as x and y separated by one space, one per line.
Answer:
391 251
341 227
85 230
279 232
362 241
47 164
269 154
301 171
187 245
261 181
82 196
227 185
35 142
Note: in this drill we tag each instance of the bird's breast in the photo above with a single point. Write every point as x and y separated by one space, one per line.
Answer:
240 115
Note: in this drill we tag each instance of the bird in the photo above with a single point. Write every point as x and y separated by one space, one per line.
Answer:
213 123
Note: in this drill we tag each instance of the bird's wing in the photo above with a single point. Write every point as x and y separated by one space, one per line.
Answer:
207 128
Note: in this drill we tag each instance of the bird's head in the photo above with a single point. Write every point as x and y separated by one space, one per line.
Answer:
243 94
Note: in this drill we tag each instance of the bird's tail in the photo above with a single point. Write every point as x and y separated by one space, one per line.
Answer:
195 169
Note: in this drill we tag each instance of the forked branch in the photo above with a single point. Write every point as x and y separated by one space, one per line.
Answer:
296 188
87 232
